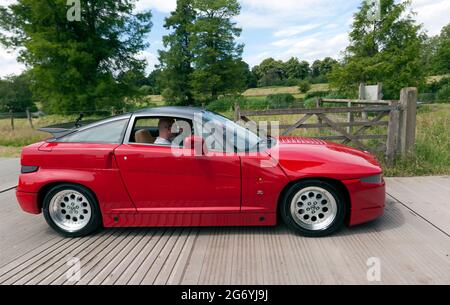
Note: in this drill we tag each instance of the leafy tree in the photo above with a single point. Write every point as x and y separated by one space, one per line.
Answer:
295 69
154 80
387 51
441 60
321 68
15 94
77 65
176 61
217 58
251 81
269 66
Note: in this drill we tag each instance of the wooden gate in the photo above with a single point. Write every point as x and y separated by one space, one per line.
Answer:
398 116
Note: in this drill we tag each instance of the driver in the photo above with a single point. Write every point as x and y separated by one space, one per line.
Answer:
165 131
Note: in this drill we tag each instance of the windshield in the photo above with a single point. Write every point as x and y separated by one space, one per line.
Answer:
223 134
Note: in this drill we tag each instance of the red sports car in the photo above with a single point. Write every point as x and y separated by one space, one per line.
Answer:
181 166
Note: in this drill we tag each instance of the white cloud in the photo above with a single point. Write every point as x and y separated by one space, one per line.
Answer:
164 6
295 30
9 63
434 14
152 59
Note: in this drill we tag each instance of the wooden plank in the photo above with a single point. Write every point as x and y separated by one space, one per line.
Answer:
408 102
344 124
343 132
357 102
360 137
393 133
316 111
364 128
298 124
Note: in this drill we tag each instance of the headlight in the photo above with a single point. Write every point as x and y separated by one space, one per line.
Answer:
377 179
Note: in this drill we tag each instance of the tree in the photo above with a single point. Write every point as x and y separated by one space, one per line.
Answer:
269 66
385 50
295 69
321 68
15 94
217 58
176 61
77 65
251 81
441 61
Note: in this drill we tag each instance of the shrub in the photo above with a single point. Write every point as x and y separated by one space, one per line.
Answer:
443 95
304 86
281 100
255 104
310 103
313 94
226 103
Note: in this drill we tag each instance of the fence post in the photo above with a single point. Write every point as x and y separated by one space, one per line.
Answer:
113 111
361 97
350 118
237 112
393 134
30 120
319 104
408 103
11 115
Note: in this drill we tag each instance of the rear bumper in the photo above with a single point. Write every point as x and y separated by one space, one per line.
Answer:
28 202
367 201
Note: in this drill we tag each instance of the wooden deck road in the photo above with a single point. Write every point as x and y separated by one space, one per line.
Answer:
411 242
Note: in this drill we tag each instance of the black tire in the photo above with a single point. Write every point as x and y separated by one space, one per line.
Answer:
288 218
95 221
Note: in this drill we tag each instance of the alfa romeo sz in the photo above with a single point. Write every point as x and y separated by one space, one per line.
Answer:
181 166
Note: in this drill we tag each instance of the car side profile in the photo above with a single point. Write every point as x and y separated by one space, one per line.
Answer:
113 173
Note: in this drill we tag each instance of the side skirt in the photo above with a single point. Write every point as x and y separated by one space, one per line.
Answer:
189 220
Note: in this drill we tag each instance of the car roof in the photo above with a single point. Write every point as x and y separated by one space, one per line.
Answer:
170 110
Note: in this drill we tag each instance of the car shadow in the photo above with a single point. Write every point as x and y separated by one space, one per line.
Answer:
393 218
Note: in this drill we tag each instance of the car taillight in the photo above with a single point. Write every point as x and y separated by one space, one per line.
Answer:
29 169
377 179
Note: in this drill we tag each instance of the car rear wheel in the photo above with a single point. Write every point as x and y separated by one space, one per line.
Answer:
71 210
313 208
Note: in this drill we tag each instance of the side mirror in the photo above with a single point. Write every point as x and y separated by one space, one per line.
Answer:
196 144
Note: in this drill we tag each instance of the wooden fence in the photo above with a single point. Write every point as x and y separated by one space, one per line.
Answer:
398 116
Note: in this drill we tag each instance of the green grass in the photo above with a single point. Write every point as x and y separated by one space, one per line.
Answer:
23 134
432 141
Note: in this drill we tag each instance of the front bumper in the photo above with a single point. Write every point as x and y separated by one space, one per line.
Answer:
367 201
28 202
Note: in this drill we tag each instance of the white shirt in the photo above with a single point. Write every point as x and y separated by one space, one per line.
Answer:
162 141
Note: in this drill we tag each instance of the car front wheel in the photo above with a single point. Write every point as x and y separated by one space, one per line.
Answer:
71 210
313 208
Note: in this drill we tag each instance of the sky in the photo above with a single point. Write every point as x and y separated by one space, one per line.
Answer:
307 29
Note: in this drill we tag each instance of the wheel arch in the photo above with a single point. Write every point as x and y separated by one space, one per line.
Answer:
340 186
47 187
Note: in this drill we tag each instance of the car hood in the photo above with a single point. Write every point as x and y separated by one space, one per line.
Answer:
313 157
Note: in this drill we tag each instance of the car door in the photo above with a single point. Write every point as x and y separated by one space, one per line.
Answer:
159 180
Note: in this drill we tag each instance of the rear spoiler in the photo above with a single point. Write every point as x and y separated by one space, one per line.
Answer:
57 132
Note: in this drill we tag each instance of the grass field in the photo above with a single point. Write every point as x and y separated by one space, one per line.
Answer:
432 141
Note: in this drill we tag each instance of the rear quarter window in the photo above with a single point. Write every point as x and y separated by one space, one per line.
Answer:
111 132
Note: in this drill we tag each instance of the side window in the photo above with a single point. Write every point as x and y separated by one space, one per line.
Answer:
106 133
161 131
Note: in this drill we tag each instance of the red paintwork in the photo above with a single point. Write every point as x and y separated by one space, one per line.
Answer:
140 185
